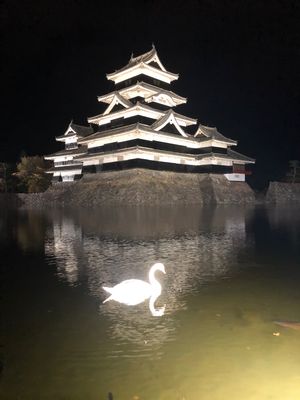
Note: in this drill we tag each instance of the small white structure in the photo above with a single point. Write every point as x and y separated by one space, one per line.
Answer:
66 168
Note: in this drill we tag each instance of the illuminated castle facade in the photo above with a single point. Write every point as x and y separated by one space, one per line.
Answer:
139 127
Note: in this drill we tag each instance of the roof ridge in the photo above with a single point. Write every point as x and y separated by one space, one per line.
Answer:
212 133
144 55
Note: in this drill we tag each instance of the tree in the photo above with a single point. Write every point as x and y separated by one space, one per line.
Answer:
8 180
3 177
31 174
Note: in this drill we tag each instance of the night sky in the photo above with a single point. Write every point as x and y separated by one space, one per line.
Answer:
238 61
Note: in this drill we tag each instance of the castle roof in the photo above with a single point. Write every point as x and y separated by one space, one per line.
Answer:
140 109
213 133
75 130
143 64
134 90
137 151
170 117
238 156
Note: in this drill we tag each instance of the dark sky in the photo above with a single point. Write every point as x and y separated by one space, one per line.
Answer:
238 60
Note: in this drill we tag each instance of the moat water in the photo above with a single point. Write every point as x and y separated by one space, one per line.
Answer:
230 272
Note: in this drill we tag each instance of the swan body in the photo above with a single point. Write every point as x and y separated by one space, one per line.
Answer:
130 292
135 291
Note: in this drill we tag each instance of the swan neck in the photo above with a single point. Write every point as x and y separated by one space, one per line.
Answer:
153 281
152 304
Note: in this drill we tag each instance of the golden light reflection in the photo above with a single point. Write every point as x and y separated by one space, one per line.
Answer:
65 245
217 339
91 249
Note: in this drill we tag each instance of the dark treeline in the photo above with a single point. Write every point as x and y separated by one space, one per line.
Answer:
26 176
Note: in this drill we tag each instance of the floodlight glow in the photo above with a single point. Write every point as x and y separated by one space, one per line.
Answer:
135 291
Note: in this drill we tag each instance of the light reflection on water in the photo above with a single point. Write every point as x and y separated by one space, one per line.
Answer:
230 273
191 260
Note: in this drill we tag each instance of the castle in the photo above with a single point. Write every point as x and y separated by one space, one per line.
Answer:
139 127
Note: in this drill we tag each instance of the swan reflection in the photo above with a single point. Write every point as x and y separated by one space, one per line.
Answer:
136 291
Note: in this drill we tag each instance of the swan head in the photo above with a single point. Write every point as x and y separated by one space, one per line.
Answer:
158 267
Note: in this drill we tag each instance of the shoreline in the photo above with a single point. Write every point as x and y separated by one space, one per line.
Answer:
147 187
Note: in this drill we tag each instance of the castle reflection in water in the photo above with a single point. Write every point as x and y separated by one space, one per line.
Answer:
107 246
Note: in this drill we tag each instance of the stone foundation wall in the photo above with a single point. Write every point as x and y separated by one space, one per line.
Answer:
282 192
148 187
142 187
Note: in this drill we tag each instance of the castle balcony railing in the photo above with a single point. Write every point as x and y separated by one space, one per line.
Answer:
71 146
68 162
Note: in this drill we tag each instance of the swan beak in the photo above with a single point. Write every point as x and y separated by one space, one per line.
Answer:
163 268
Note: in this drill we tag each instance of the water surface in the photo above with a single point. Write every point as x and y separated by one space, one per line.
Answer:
230 273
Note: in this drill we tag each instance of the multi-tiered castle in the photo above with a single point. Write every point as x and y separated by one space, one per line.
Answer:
140 128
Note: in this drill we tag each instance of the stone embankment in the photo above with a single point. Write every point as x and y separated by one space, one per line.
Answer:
282 192
142 187
147 187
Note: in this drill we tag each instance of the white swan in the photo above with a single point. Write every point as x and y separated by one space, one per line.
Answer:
135 291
